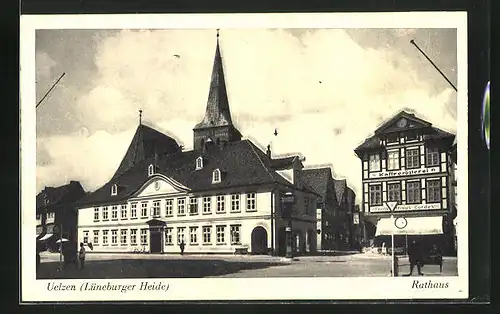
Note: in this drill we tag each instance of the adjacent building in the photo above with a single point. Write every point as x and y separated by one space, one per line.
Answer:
224 196
406 173
56 214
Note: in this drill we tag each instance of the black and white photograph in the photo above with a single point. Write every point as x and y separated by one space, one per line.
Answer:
244 156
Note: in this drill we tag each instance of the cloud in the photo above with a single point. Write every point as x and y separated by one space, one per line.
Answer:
273 80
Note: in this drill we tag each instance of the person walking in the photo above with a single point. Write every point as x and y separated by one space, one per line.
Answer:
415 257
182 246
81 255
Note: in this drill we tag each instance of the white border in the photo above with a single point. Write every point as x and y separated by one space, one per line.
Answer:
336 288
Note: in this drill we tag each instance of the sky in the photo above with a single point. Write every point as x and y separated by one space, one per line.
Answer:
324 90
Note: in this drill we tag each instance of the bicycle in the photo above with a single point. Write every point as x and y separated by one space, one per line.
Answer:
140 251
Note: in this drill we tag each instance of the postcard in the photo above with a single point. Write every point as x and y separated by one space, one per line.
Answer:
244 157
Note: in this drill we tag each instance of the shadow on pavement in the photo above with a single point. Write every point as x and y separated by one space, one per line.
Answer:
134 268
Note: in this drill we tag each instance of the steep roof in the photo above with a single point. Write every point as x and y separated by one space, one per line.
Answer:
429 132
340 187
317 179
351 197
241 164
54 197
145 144
217 112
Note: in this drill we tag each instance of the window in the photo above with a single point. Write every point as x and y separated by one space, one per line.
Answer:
193 206
235 202
375 162
207 204
85 237
392 138
168 207
221 205
144 236
411 136
156 208
151 170
220 234
412 158
124 211
169 236
180 235
306 205
432 156
375 194
433 191
199 163
133 210
181 206
96 214
144 210
207 235
123 237
51 215
216 176
105 213
114 212
133 236
105 237
193 235
114 237
251 202
95 240
235 234
393 160
413 192
114 189
394 192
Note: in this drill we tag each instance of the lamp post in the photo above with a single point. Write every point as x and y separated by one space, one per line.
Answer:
287 202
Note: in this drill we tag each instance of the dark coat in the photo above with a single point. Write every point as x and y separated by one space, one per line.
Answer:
415 253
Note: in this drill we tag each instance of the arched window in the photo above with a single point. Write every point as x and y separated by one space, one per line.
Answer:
216 176
151 170
114 189
199 163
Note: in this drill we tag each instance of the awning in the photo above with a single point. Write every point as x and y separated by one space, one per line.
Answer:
414 226
45 237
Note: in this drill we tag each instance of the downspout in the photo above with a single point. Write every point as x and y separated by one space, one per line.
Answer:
273 201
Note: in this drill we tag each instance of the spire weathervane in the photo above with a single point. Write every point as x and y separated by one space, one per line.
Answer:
140 116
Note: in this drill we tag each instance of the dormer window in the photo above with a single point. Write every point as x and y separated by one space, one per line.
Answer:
114 189
151 170
411 136
216 176
199 163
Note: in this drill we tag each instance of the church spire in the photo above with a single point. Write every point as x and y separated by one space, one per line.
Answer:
217 113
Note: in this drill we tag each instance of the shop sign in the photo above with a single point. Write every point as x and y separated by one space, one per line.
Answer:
403 173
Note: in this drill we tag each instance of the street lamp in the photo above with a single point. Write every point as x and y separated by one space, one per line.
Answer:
287 202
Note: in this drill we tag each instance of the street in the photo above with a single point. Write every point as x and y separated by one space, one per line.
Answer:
106 266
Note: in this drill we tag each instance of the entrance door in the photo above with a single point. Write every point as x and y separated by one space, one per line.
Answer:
155 240
281 241
259 240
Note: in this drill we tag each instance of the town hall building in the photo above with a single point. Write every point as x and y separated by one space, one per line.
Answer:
224 196
407 173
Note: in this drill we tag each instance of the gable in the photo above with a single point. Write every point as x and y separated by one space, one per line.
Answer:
160 184
402 122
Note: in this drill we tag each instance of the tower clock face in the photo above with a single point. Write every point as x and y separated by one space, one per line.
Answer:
402 123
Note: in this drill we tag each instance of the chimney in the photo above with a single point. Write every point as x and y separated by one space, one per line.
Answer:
268 152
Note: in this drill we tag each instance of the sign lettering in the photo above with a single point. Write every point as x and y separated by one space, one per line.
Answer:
402 173
378 209
418 207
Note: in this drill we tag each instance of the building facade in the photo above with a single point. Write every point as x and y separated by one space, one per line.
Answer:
406 164
224 196
56 214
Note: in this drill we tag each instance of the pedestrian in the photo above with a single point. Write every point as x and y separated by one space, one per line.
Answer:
415 257
81 255
182 246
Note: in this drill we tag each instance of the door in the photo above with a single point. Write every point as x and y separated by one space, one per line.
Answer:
281 241
155 240
259 240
